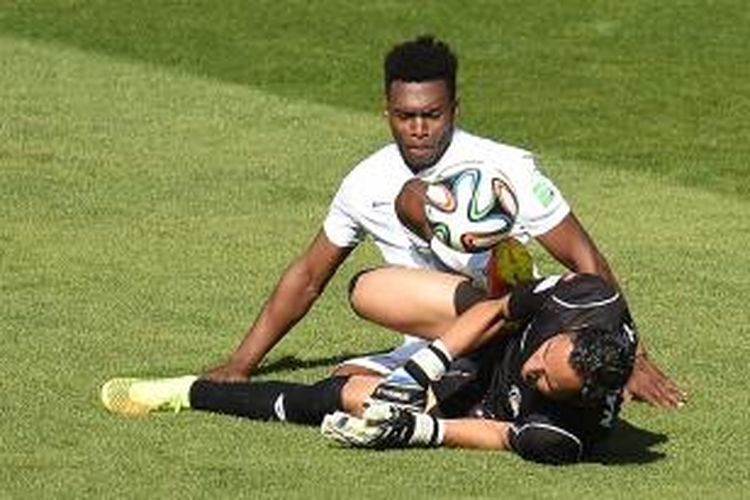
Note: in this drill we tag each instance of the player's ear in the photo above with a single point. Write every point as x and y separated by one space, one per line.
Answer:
386 104
456 107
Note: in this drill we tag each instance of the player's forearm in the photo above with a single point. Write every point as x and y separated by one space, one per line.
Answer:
294 295
476 326
410 208
476 434
571 245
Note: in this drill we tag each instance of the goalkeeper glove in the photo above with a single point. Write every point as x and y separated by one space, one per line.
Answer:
384 427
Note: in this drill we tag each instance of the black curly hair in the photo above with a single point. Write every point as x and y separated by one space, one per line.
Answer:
423 59
604 358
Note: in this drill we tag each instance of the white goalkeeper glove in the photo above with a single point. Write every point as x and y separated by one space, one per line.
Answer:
384 427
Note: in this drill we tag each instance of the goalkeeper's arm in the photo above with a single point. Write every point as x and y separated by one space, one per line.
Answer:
406 386
476 433
384 427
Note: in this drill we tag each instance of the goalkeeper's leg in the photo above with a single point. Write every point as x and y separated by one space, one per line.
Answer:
282 401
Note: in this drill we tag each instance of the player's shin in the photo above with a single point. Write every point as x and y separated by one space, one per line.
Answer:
282 401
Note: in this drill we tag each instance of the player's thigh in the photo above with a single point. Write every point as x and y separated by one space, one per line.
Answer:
413 301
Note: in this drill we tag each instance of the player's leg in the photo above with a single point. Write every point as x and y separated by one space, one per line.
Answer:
412 301
272 400
383 363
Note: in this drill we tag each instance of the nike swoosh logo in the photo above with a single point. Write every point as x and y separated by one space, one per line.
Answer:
278 408
378 204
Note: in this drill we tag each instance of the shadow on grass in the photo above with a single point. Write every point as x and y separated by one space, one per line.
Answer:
629 445
291 363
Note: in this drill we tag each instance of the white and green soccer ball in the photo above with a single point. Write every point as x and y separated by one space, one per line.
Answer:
471 208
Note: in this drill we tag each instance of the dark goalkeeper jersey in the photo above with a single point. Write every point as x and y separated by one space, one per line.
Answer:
542 429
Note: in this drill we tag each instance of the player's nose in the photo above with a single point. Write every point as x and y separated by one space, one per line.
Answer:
419 127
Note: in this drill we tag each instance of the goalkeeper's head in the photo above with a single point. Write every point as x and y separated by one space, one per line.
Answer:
604 359
588 365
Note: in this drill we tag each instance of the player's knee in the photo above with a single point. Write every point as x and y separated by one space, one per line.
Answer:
466 295
357 293
356 390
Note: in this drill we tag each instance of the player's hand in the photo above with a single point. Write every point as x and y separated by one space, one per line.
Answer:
383 427
392 431
227 372
648 383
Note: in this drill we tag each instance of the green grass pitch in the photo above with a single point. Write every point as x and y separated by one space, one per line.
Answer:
161 162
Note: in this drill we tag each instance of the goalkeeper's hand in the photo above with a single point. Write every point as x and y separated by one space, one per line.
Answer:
382 427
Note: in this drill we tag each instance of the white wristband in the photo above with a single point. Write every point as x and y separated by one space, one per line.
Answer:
433 360
428 431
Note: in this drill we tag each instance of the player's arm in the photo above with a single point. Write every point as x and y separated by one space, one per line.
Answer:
296 291
385 427
538 443
476 433
542 442
571 245
410 208
407 385
483 321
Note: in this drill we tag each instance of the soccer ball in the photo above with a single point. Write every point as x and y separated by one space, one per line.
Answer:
471 209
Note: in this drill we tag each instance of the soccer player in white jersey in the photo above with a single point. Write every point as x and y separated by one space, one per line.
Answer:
421 109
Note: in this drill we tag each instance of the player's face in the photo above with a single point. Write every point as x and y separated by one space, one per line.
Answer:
548 370
421 116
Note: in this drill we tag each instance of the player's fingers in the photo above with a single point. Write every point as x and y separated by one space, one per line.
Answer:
669 390
677 395
669 396
223 376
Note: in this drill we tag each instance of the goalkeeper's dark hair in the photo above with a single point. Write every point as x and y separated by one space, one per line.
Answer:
423 59
604 359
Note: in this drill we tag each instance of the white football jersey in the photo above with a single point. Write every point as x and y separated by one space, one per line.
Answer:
364 203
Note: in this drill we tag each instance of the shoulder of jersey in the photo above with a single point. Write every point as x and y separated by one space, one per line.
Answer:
488 147
480 148
385 156
377 163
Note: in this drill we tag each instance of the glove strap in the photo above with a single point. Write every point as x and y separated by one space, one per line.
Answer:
428 431
429 363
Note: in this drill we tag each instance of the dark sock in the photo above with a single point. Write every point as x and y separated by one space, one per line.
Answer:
286 401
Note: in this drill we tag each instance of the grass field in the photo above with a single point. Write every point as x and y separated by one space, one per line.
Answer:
160 165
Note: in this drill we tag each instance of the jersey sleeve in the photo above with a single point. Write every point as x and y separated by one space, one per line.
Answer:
526 299
541 204
342 224
539 439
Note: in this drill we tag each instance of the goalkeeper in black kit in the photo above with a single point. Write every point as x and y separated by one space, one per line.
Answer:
539 372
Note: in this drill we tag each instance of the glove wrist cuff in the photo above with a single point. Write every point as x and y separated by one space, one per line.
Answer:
428 431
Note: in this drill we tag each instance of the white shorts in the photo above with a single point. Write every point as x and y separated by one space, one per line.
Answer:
385 362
